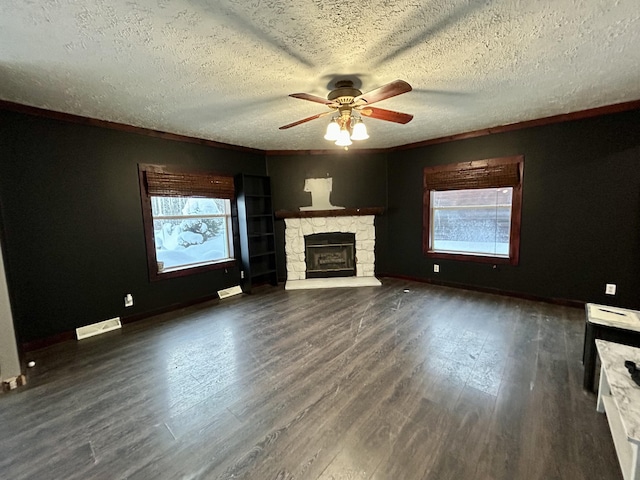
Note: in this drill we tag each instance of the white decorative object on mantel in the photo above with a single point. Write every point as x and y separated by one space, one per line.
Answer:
363 228
320 189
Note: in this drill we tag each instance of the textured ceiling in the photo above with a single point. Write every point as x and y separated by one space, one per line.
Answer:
222 69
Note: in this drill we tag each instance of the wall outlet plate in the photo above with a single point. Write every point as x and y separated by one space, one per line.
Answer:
610 289
436 268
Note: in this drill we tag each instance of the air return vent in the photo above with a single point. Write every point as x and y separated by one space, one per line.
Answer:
229 292
98 328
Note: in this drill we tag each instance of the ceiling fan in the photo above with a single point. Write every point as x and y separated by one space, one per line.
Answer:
349 104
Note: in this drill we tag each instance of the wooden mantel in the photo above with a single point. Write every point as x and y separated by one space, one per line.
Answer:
343 212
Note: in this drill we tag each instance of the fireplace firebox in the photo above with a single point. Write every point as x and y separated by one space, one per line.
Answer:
330 255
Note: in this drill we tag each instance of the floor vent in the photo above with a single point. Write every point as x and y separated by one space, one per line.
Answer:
98 328
229 292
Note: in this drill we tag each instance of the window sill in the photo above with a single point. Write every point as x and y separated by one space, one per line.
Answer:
184 272
474 258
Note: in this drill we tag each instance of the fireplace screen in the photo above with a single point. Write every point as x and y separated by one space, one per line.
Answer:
330 255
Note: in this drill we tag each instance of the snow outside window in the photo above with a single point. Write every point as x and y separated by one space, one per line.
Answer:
471 221
190 231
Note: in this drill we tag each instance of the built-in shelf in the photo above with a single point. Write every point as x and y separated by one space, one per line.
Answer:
260 273
262 254
257 237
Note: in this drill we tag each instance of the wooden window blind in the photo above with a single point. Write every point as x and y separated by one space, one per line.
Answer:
493 173
169 184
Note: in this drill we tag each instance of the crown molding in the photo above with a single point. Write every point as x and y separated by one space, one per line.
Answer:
565 117
93 122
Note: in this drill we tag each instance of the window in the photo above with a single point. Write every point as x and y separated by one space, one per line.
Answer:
189 231
472 210
188 223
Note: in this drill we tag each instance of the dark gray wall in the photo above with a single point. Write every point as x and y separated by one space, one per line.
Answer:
74 242
359 180
580 217
72 222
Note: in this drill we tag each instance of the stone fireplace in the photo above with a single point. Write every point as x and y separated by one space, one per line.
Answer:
358 223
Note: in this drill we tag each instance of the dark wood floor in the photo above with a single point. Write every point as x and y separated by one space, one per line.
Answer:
365 383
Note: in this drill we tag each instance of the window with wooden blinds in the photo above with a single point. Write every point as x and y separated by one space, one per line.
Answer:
472 210
187 219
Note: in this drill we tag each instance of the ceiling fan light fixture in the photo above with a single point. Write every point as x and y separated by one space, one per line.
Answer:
347 103
333 131
359 131
344 140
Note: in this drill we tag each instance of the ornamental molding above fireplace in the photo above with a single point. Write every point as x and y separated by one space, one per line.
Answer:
303 223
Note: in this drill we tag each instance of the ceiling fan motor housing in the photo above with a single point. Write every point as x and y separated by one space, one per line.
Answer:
344 93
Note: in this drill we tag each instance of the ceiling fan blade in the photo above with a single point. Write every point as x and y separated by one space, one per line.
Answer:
386 91
312 98
388 115
305 120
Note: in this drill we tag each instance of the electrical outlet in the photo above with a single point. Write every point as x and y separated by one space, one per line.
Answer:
436 268
128 300
610 289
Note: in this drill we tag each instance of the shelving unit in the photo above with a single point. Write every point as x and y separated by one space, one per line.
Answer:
257 231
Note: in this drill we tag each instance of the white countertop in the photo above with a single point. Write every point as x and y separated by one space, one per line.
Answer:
624 391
